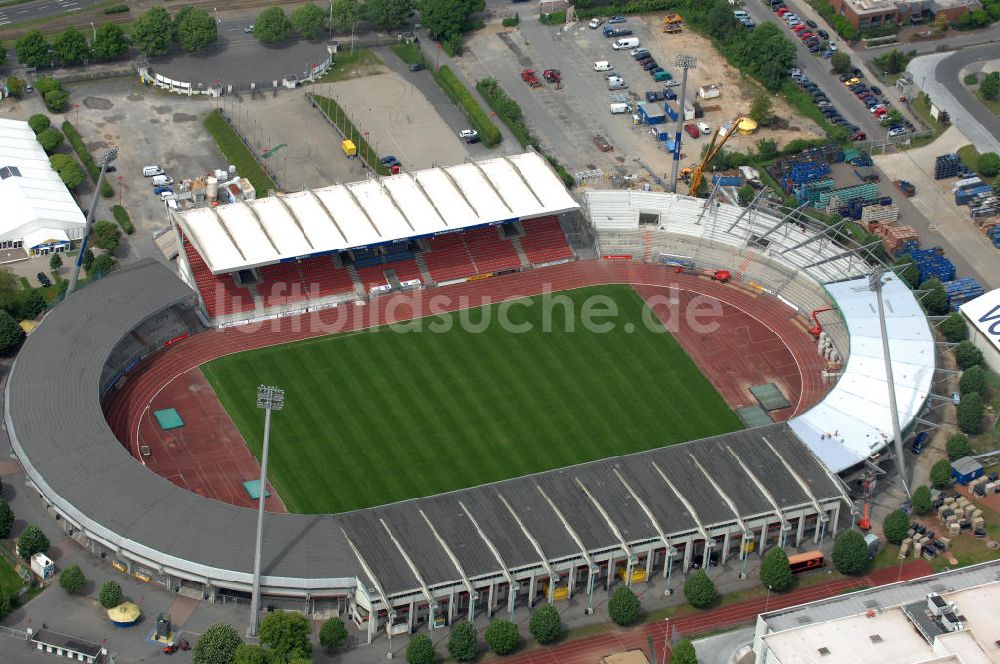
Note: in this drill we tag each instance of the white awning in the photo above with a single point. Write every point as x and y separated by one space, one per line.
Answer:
45 237
375 211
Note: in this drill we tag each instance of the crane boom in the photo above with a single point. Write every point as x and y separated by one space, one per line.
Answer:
713 149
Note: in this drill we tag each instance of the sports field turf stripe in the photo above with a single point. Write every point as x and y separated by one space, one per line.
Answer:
381 416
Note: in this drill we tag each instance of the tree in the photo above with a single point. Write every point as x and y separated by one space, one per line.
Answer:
967 355
309 19
110 44
545 624
32 50
3 54
895 526
775 572
111 595
420 650
841 62
70 171
988 89
389 14
32 541
973 381
346 13
941 474
893 117
6 519
56 101
250 654
767 148
195 28
935 301
761 110
921 500
272 25
988 164
954 328
623 606
102 265
39 122
106 235
50 139
443 18
9 289
940 22
72 579
683 652
462 644
850 552
70 47
970 414
88 260
55 262
286 634
332 633
502 636
10 333
699 590
33 305
15 86
217 645
958 446
153 32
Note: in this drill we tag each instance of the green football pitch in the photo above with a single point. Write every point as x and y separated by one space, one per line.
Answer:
379 416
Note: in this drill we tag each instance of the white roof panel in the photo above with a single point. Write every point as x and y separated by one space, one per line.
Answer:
984 314
376 211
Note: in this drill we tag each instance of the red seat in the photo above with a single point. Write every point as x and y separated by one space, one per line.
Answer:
544 241
220 293
490 252
448 258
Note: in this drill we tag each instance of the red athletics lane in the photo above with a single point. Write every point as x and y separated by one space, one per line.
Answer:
751 322
590 650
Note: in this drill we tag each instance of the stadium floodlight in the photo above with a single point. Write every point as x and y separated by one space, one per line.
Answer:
103 161
875 284
269 398
683 62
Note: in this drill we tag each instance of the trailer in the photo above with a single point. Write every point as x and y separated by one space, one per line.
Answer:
529 77
710 91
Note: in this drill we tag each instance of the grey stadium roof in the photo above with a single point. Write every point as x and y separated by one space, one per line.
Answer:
81 468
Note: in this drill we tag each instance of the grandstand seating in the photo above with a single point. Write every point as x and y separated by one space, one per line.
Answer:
323 279
489 251
281 283
220 293
449 258
374 275
544 241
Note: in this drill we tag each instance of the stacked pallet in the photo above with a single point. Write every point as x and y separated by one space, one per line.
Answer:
961 291
883 214
932 263
948 166
898 240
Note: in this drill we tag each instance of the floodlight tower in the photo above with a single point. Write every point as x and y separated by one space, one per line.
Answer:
269 398
685 62
875 284
104 161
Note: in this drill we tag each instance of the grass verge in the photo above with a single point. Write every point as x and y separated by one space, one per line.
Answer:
921 105
337 116
970 157
468 407
124 220
237 153
458 93
409 53
347 65
93 170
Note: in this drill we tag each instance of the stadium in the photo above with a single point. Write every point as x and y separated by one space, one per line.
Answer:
650 457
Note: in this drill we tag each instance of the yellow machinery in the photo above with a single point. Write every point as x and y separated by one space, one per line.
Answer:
713 149
559 593
638 574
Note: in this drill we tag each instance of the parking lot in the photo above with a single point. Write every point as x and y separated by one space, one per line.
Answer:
566 120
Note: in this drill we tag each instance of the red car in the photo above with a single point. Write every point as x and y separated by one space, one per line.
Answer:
859 136
805 35
692 130
800 28
783 11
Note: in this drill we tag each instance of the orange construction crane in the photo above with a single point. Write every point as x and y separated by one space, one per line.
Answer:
713 149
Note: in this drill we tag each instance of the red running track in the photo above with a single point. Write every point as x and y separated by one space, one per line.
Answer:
592 649
760 341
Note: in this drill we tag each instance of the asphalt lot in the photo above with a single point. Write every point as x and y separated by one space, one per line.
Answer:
39 8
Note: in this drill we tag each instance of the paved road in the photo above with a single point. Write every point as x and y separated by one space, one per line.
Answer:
40 8
724 648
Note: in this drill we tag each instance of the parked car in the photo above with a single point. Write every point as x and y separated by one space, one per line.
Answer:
162 189
704 128
876 90
248 29
812 24
595 22
166 195
663 75
644 59
859 136
43 279
469 135
616 19
857 72
900 131
151 171
602 144
639 53
416 66
650 65
692 130
389 159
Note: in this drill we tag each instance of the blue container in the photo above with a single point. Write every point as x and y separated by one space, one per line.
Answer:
670 111
727 180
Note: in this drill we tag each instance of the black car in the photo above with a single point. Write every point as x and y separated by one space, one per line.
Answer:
657 70
644 59
812 24
416 66
857 73
877 90
823 34
43 279
846 77
650 65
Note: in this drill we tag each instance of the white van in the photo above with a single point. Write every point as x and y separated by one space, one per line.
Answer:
161 180
627 42
602 65
618 109
151 171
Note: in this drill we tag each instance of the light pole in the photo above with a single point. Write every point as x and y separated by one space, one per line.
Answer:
666 638
92 27
104 160
685 62
269 398
594 569
671 552
875 284
767 599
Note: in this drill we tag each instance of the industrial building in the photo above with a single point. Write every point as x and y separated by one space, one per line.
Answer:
983 318
870 14
39 216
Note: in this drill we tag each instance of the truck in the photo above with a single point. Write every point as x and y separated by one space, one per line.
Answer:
552 75
906 187
529 77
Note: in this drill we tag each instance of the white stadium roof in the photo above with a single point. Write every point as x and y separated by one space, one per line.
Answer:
375 211
853 420
33 195
984 314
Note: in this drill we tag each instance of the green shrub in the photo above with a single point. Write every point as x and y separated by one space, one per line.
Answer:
683 652
32 541
850 552
954 328
971 79
111 595
502 636
775 572
121 216
458 93
93 170
39 122
623 606
420 650
116 9
973 381
6 518
699 590
511 21
545 624
941 474
967 355
463 644
958 446
72 579
921 501
970 414
895 526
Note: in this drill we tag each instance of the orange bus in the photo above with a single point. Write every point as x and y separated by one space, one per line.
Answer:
803 562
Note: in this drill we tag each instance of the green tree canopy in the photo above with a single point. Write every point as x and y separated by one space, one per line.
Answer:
463 643
33 304
67 168
699 590
545 624
973 381
217 645
909 274
346 14
989 88
309 19
272 25
332 633
102 265
389 14
936 299
444 18
32 541
10 333
6 518
56 101
954 328
683 652
775 572
766 54
88 260
153 32
50 139
105 235
420 650
970 414
850 553
921 500
767 148
70 47
72 579
47 84
623 606
195 28
250 654
3 54
39 122
111 595
967 355
745 195
988 164
286 634
502 636
941 474
55 262
840 62
896 526
15 86
110 44
762 109
958 446
33 50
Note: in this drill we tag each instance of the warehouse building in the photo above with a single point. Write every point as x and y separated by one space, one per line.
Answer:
983 317
40 216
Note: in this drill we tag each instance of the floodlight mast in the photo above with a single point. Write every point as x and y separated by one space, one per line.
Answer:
104 160
685 62
875 284
269 398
